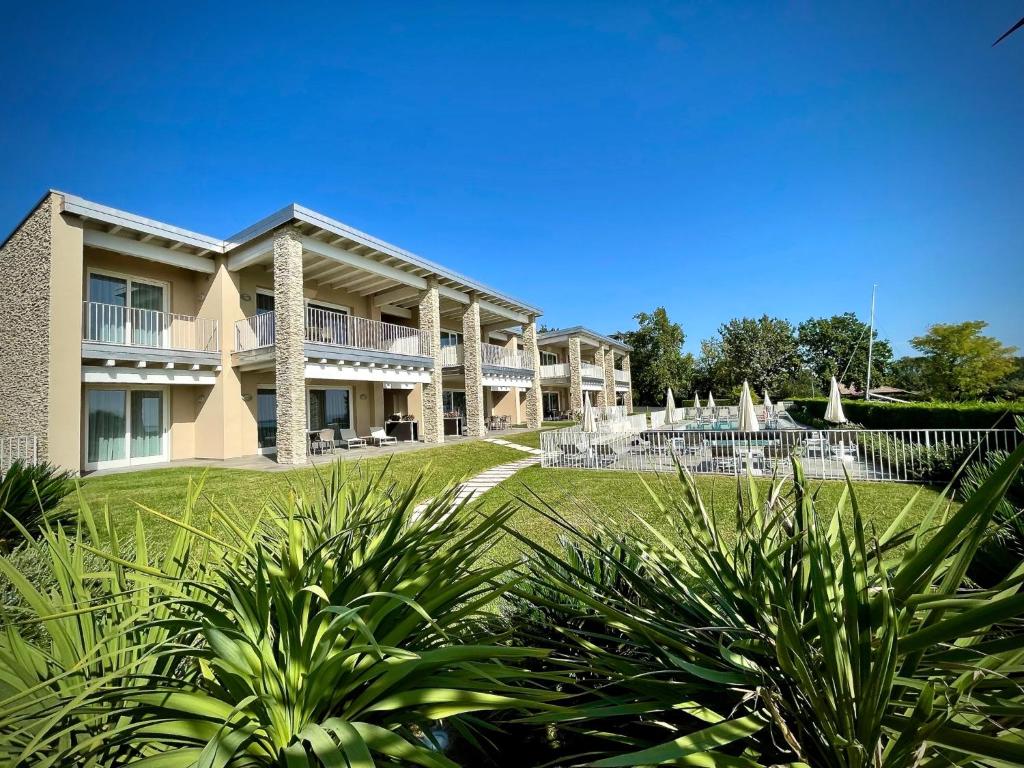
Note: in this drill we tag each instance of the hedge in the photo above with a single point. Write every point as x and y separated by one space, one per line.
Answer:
875 414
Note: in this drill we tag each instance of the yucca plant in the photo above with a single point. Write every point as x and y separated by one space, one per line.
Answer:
95 625
27 493
341 639
801 639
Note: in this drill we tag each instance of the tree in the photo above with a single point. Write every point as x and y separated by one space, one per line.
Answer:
831 345
657 360
762 351
960 363
909 373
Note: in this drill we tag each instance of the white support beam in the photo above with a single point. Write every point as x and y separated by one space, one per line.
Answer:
390 297
390 309
342 256
148 251
250 254
104 375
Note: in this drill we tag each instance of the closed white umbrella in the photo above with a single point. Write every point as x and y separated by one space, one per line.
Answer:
748 419
589 419
670 407
711 400
696 401
767 402
834 412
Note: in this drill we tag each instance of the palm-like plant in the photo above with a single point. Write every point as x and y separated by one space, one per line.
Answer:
804 640
27 493
339 639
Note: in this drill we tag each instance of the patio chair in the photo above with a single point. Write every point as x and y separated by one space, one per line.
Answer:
379 437
322 442
350 440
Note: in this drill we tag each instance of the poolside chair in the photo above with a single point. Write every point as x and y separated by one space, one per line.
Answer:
322 442
350 440
379 437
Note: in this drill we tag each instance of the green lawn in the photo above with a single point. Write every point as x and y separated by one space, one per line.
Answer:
584 497
248 490
532 439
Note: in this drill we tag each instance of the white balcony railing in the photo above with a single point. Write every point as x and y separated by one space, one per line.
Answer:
339 329
591 370
131 327
23 448
451 355
334 329
621 376
492 354
555 371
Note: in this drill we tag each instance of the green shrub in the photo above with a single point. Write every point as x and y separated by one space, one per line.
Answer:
802 641
876 414
27 493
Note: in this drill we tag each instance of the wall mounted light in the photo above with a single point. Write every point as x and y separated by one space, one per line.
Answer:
362 396
246 397
246 297
201 399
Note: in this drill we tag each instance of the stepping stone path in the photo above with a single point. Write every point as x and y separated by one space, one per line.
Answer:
477 485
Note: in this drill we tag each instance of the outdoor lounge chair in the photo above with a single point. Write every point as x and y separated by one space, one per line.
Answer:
379 437
322 442
350 440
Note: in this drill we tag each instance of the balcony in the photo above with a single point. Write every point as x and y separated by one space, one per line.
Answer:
621 377
324 328
491 355
111 325
555 371
591 371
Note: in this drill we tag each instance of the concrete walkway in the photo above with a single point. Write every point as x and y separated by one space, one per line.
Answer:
478 485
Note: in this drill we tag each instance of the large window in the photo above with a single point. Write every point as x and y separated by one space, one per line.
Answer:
330 408
454 401
548 358
450 338
552 407
327 323
266 420
126 310
125 427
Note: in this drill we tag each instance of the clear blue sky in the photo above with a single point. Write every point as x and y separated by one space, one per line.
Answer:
596 159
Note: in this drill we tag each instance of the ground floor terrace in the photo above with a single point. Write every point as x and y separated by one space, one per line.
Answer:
156 419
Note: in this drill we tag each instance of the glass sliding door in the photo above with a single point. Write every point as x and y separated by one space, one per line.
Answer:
125 426
266 420
551 404
147 305
107 311
264 331
107 427
147 424
330 409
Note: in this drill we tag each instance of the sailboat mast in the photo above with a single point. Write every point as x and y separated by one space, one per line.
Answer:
871 342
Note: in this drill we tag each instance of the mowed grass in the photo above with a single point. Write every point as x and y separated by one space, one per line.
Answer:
624 501
248 491
532 439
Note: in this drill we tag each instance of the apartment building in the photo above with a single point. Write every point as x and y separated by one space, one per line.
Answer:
576 363
126 341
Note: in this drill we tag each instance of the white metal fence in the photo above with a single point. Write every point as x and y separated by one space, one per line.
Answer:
493 354
555 371
906 455
335 329
129 326
591 371
24 448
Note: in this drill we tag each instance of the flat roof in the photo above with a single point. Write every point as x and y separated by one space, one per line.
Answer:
204 245
563 334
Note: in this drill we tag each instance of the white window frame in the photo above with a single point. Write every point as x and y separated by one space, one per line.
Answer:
128 461
558 398
256 399
265 292
351 404
456 334
550 355
129 279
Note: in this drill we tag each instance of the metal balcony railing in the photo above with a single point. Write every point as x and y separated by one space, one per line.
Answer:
132 327
334 329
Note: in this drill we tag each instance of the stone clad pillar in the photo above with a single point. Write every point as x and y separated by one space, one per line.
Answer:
472 365
430 325
628 397
534 401
289 352
609 376
575 376
601 398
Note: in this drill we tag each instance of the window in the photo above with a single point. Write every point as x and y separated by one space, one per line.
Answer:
330 408
125 426
450 338
454 401
125 310
327 323
548 358
266 420
551 404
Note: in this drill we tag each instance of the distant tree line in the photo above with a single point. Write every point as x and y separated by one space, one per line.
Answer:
955 361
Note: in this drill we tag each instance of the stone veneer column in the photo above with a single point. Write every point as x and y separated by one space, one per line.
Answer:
609 376
601 399
289 338
575 376
433 403
534 401
472 365
628 398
